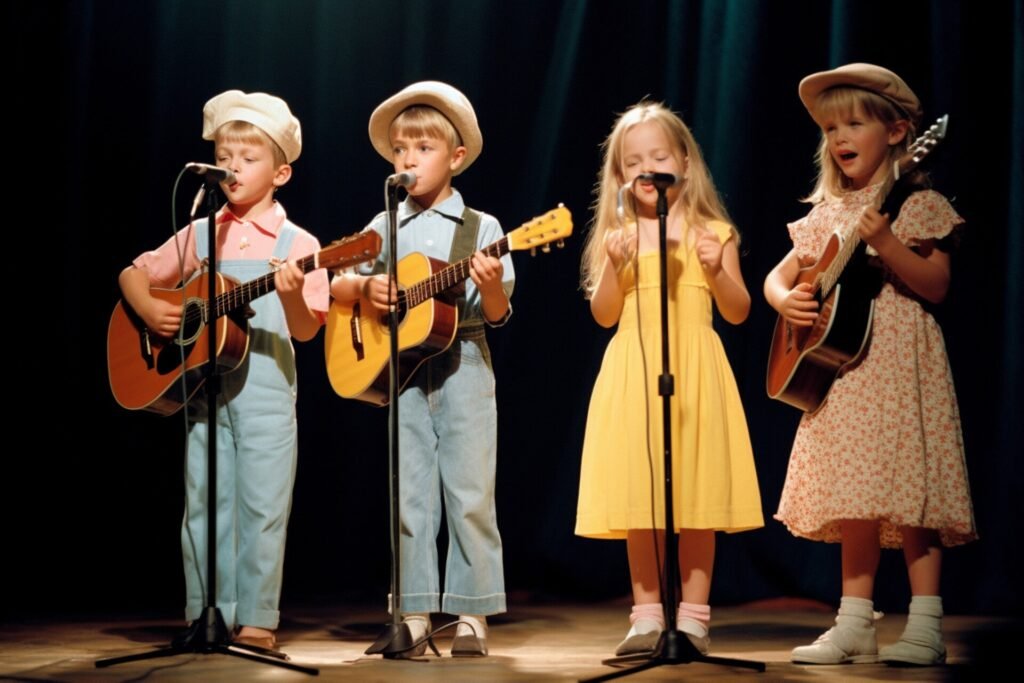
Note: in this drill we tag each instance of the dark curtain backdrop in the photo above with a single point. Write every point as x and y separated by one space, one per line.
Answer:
112 91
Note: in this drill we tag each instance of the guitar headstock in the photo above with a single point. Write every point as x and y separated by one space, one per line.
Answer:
923 146
349 251
553 226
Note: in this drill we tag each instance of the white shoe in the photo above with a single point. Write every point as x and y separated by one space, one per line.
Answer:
419 627
642 638
696 633
470 637
702 643
839 645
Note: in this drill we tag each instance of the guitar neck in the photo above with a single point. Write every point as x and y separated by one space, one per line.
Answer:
449 276
894 193
254 289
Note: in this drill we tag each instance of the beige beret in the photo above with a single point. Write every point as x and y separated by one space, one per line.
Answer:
878 80
268 113
441 96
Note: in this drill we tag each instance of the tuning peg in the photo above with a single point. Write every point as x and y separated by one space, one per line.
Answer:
560 244
546 248
533 251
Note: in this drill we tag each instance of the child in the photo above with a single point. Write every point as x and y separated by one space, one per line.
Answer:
257 138
715 486
448 430
882 462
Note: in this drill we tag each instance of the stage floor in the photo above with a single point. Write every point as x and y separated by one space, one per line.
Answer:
538 642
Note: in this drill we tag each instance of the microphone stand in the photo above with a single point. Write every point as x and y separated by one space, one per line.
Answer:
209 634
396 638
673 646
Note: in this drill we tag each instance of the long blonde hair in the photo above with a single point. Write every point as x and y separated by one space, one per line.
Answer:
840 100
698 197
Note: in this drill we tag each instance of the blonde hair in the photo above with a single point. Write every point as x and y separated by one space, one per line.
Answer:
421 120
250 134
698 197
843 101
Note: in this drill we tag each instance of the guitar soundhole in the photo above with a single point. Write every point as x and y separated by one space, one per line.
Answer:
192 323
169 358
383 319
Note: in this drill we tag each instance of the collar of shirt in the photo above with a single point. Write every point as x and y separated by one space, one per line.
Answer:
270 221
450 208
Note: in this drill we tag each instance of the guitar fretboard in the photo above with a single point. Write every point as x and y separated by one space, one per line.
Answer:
243 294
828 278
448 277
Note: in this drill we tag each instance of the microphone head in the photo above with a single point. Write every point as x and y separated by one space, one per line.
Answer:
221 175
406 179
660 180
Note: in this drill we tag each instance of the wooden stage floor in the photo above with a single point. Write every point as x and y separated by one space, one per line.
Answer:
543 642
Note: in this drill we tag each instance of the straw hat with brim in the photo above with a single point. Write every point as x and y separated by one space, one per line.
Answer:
268 113
442 97
876 79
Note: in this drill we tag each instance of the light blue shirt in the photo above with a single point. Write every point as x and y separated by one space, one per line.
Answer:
431 231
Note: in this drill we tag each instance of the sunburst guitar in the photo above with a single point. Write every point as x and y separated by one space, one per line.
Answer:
358 344
146 370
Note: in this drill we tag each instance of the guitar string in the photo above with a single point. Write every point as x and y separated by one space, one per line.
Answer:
239 296
830 276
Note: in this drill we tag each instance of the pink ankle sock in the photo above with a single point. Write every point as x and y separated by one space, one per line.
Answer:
651 610
699 613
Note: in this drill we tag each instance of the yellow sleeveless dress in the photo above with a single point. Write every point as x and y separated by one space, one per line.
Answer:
715 484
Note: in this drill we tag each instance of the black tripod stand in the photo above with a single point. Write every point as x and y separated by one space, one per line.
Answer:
396 638
209 634
673 646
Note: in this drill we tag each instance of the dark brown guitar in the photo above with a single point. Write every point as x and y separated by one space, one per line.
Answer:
146 369
805 361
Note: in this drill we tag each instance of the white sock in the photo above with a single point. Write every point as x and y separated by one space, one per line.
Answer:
475 625
856 613
925 619
418 623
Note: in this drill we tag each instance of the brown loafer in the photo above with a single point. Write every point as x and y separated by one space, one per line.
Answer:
262 642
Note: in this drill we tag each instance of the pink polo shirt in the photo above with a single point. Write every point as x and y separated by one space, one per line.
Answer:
237 239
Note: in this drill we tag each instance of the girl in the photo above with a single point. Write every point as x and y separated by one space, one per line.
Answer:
882 462
713 467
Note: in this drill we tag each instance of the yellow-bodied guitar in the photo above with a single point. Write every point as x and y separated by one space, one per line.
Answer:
357 344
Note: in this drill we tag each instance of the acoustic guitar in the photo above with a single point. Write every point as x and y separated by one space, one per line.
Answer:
151 372
358 344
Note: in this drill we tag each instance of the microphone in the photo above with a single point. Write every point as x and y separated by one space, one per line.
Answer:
197 201
406 180
620 203
221 175
662 181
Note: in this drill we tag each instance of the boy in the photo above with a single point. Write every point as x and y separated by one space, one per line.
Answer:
448 430
257 138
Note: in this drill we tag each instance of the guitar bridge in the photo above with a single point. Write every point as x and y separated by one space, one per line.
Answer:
146 348
357 332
